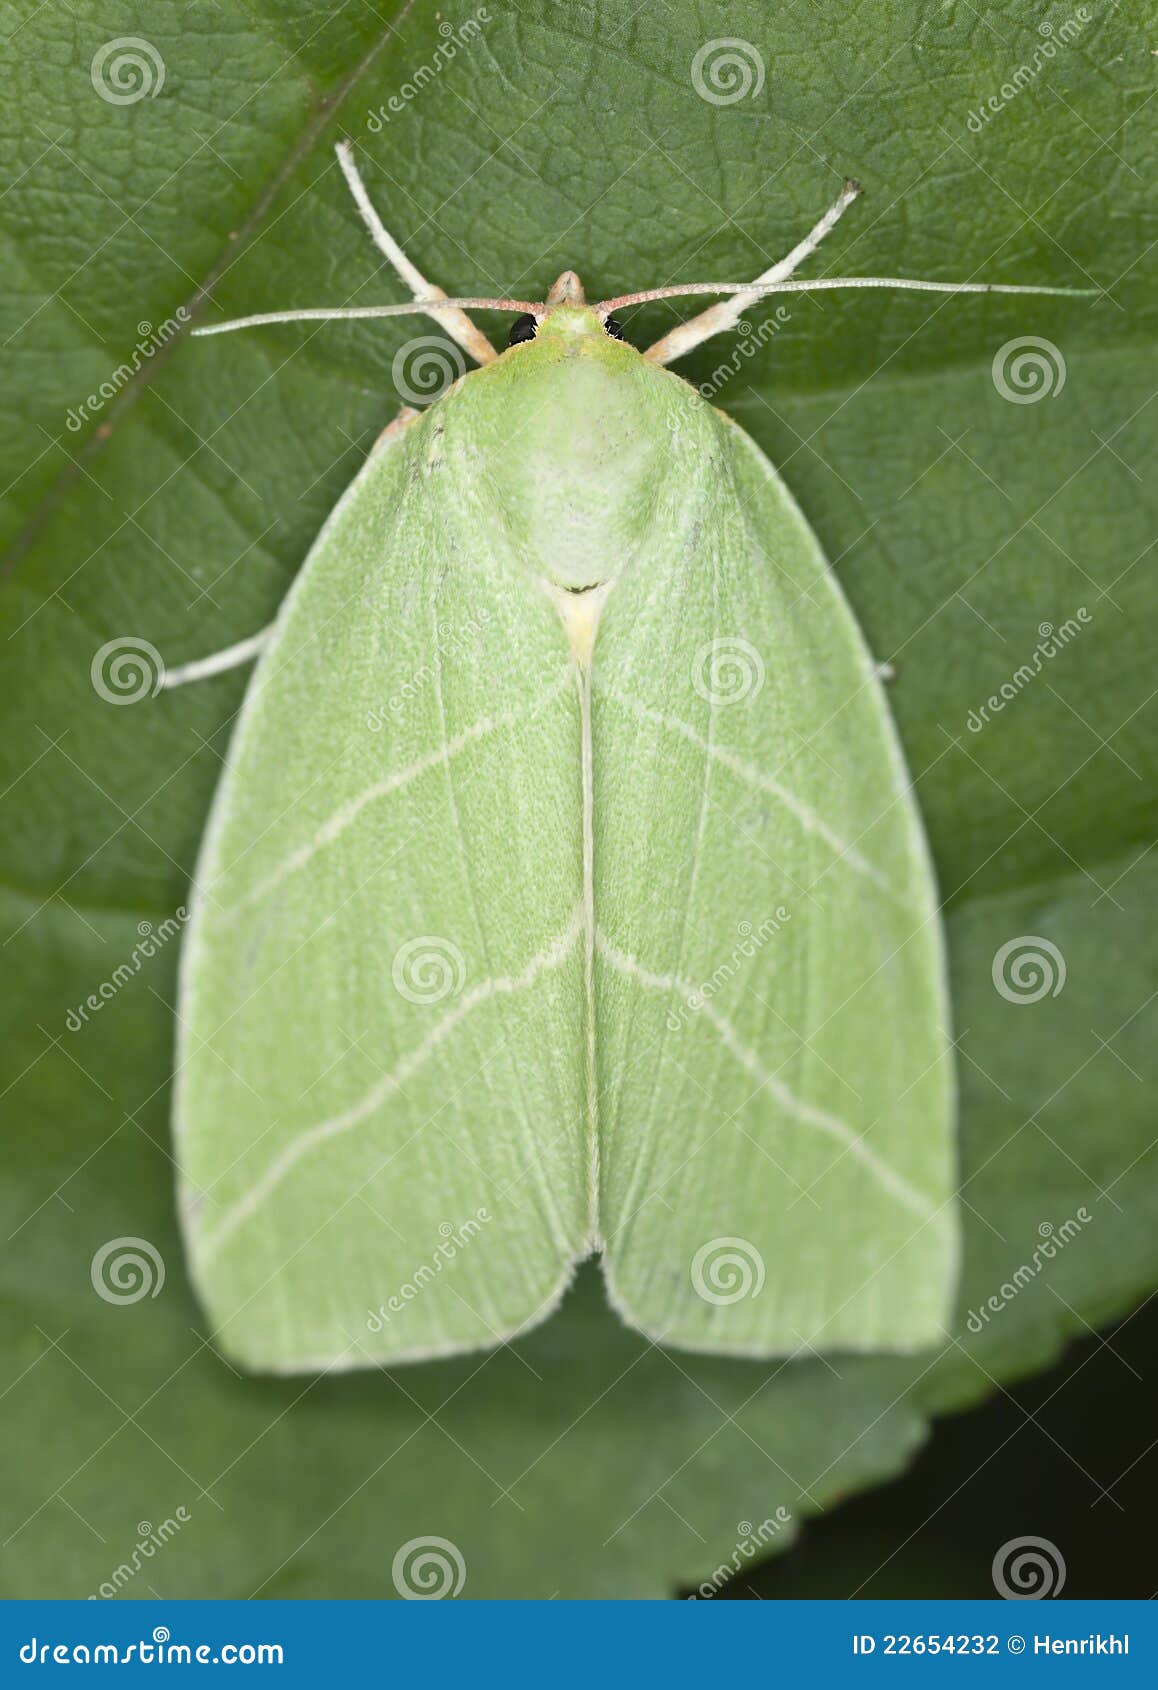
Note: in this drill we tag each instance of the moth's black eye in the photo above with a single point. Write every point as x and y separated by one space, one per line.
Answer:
614 328
523 328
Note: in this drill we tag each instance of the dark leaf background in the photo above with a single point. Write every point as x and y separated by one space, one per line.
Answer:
581 1461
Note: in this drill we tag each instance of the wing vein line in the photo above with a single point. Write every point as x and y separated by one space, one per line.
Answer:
627 965
342 818
809 820
553 955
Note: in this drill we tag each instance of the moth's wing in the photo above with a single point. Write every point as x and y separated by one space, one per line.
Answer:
776 1097
380 1097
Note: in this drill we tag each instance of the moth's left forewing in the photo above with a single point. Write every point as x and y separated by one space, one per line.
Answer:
776 1097
380 1123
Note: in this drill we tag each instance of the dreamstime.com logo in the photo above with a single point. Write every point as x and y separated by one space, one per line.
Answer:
157 1650
150 1541
1053 1240
427 1569
452 1240
727 1270
151 939
452 641
148 345
1051 641
1026 1569
750 342
750 1541
728 70
1063 34
750 941
125 1270
454 37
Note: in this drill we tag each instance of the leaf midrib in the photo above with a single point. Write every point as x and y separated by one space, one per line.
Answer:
98 437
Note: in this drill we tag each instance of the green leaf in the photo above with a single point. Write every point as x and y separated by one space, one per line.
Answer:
583 1462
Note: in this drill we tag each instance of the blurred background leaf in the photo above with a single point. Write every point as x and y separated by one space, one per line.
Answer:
502 145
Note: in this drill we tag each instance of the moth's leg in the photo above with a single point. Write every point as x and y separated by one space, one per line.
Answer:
457 324
203 668
231 658
406 415
687 336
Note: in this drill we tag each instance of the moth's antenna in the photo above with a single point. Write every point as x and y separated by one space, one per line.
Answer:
686 336
675 344
429 300
718 318
825 283
324 313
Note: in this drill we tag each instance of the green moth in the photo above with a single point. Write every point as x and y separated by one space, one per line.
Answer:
565 893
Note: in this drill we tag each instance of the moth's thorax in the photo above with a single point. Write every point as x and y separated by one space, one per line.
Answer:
573 436
569 321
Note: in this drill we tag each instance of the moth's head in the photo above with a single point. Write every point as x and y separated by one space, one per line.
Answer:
565 316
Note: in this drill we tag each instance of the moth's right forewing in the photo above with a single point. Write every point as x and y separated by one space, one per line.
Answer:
776 1102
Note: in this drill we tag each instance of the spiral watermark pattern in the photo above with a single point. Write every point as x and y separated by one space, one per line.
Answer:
728 670
428 1568
727 1270
425 367
1028 968
428 969
727 70
127 669
1028 369
1027 1569
127 70
125 1270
